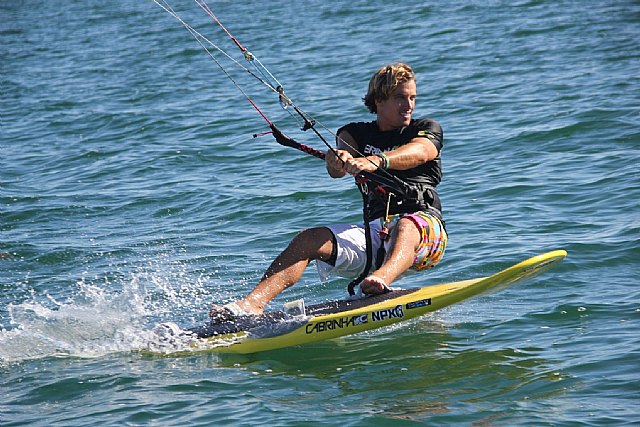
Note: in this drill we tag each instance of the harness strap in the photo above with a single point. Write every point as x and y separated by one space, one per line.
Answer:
362 186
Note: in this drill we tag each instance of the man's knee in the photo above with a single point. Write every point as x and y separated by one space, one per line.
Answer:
406 233
315 243
407 226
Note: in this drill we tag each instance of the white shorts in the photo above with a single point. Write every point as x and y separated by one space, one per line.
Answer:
351 242
351 256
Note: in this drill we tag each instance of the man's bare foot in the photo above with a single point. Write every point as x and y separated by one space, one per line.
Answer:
374 285
225 313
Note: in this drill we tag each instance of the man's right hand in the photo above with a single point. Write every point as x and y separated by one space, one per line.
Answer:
336 161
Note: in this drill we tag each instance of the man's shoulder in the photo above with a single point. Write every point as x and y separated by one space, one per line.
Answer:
426 124
427 128
355 127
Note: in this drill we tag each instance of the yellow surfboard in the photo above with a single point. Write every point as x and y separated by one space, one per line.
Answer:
345 317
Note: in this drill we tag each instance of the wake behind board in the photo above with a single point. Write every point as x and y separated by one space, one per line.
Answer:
334 319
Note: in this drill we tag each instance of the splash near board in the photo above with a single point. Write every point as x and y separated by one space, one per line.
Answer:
334 319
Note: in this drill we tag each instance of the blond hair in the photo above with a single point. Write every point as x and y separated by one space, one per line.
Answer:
384 81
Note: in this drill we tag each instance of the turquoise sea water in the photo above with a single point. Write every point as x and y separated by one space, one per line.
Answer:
132 192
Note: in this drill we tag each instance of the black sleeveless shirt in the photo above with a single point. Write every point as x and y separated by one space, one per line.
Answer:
423 178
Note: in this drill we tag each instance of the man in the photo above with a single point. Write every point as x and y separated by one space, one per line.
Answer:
405 227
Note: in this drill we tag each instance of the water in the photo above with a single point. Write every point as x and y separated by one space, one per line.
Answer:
132 192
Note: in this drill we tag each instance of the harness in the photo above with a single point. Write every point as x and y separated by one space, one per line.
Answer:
422 193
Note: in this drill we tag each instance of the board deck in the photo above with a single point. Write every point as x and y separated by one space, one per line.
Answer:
334 319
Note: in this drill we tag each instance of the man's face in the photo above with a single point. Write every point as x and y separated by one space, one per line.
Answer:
395 111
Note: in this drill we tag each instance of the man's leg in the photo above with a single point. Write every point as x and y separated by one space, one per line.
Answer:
402 251
288 267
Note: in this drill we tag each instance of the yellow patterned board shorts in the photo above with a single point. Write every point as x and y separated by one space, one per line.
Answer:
433 237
